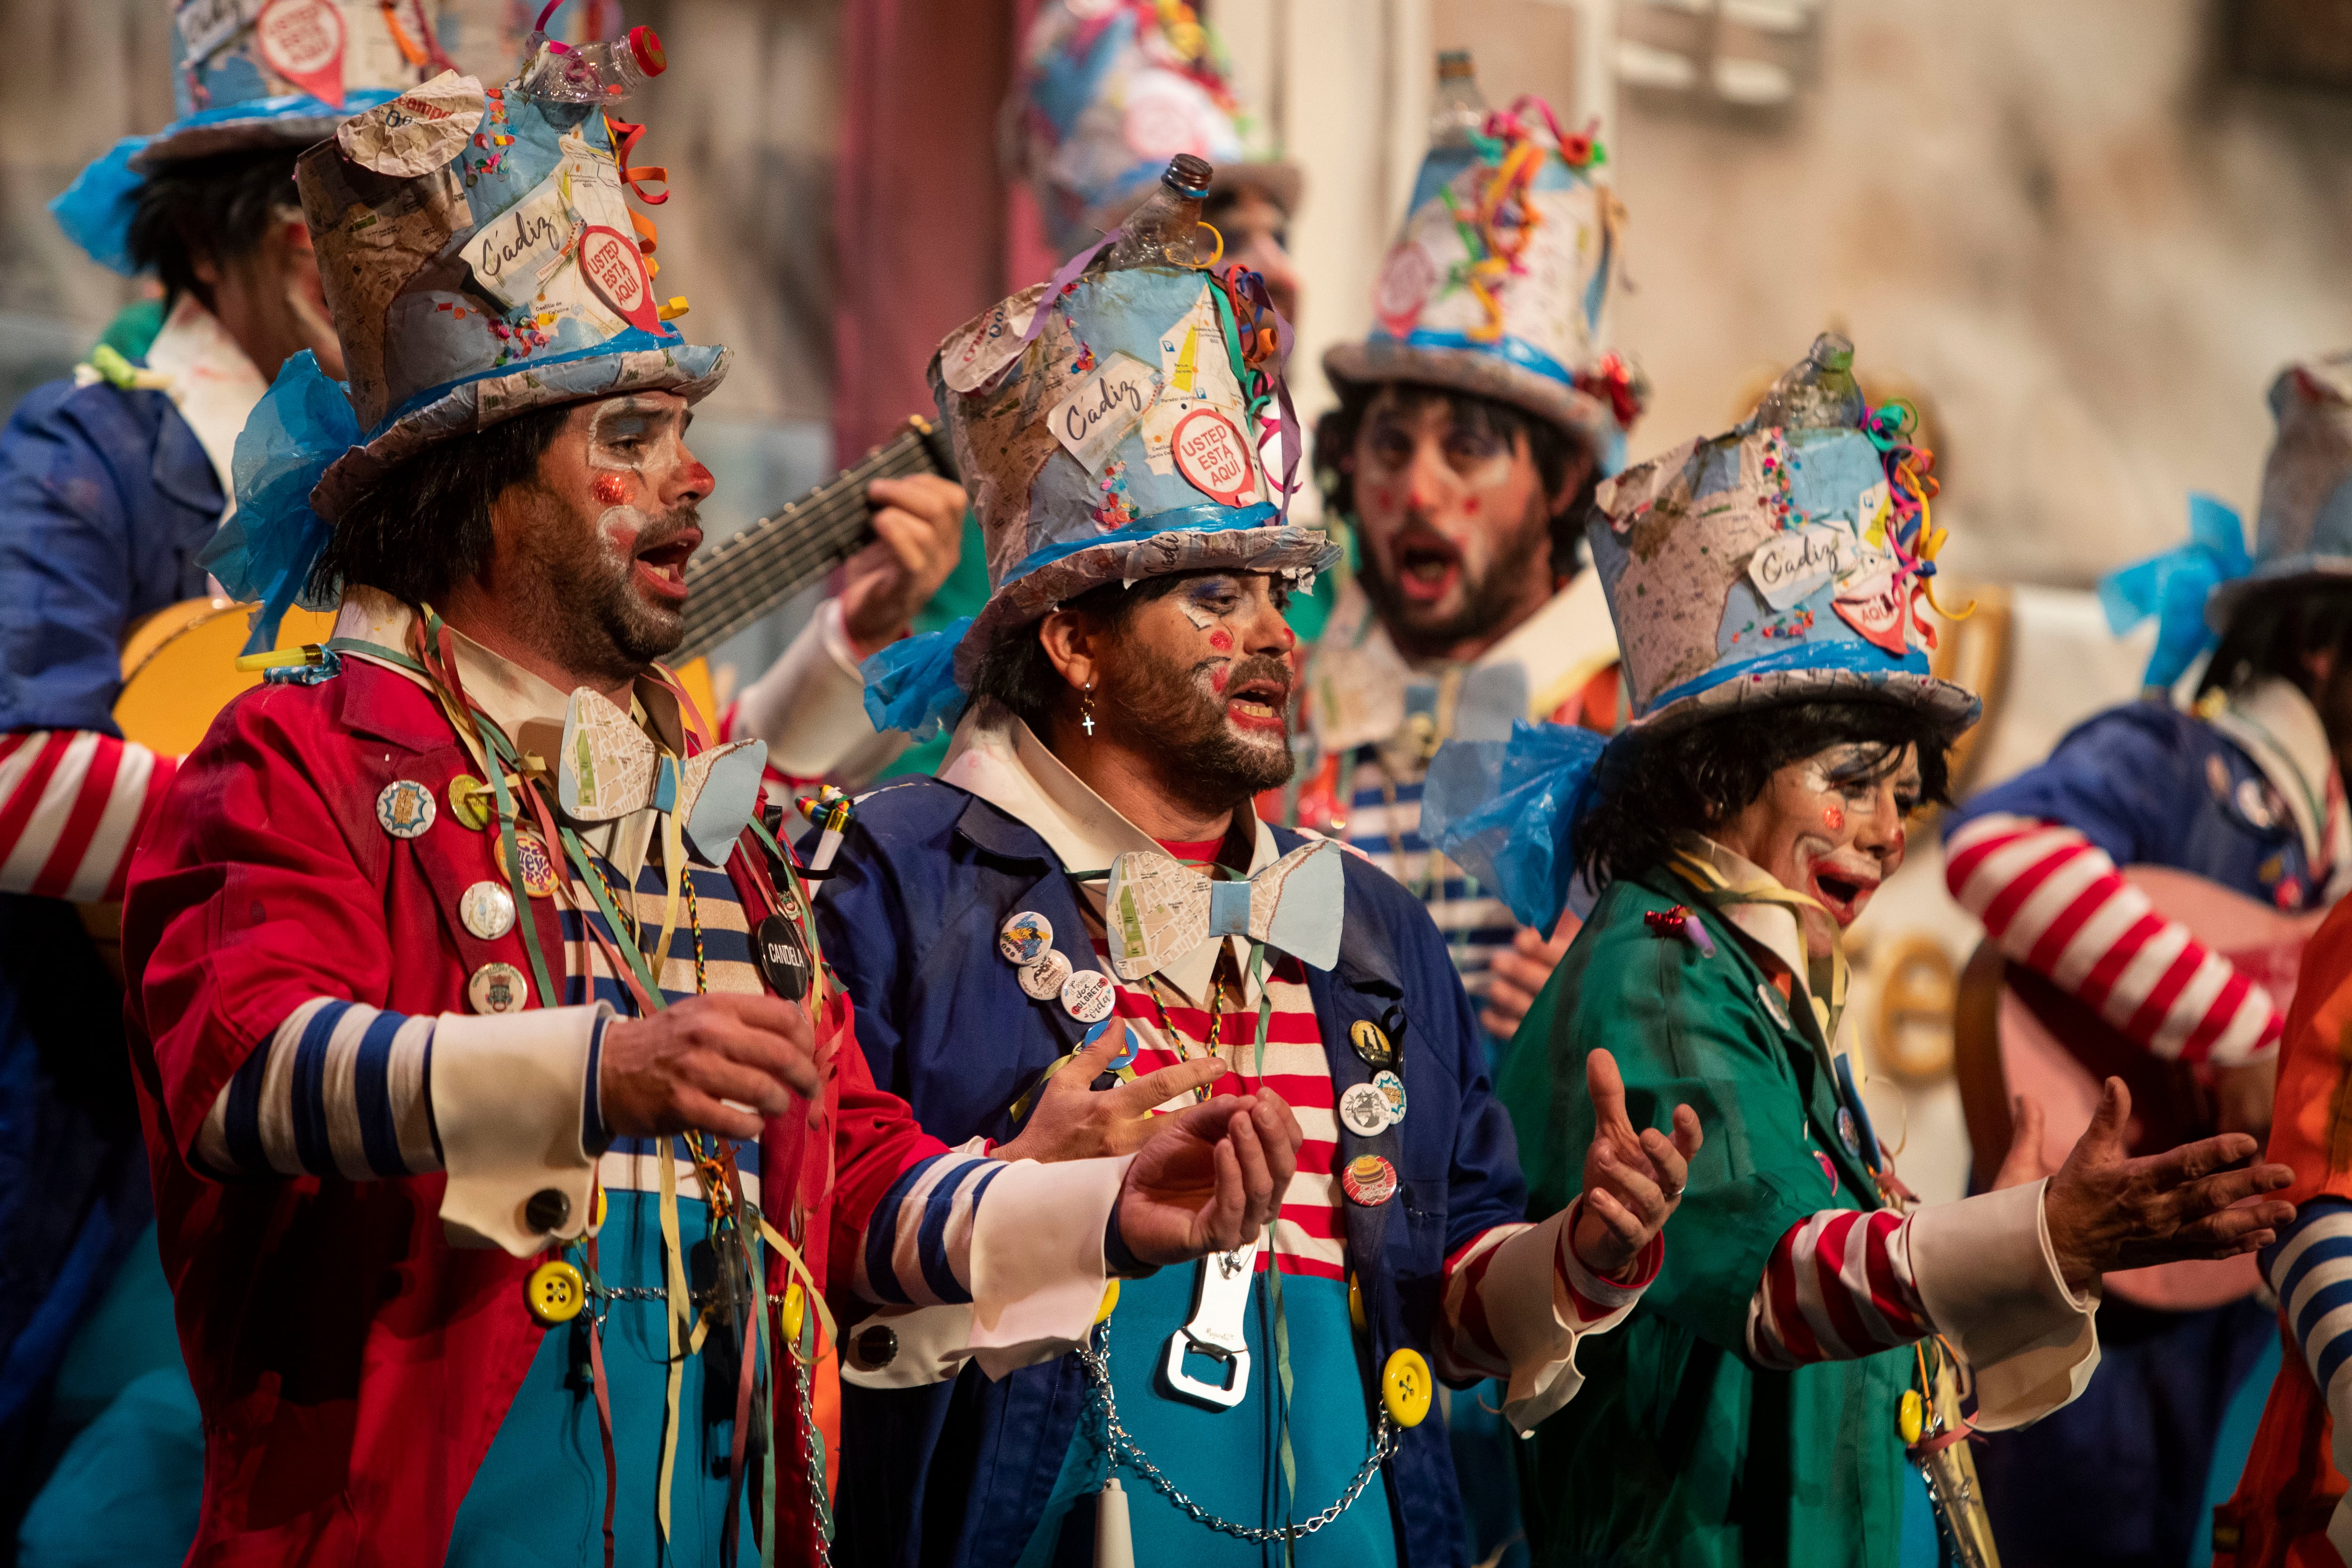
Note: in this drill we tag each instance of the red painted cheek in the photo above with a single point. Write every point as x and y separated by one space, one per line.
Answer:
1834 819
612 489
1221 640
1217 679
1384 498
1896 844
1470 507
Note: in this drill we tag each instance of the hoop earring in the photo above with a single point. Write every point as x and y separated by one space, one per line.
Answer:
1086 709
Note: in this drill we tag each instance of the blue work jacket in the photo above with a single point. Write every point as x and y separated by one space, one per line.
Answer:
959 1473
106 496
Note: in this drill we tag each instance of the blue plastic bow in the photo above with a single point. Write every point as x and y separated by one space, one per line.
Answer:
1504 810
265 549
911 684
2174 586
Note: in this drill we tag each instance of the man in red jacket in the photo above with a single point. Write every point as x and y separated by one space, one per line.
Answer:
489 1069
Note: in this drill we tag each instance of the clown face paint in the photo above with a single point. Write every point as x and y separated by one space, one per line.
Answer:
1830 826
1200 678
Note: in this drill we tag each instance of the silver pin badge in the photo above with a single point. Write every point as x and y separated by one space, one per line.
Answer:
1043 978
1364 1111
404 809
488 910
498 988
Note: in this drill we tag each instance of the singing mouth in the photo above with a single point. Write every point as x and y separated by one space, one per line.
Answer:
1427 565
1843 894
662 565
1258 702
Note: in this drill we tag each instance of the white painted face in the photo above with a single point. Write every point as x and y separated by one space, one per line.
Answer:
1831 826
637 445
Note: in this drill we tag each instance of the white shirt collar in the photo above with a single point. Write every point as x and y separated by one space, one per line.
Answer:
2276 725
212 384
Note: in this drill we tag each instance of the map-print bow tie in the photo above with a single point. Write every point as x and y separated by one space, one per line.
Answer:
609 767
1158 909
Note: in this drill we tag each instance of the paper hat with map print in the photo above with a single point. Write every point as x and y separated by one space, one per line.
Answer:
2303 534
254 73
480 260
1501 283
1789 559
1109 424
1110 91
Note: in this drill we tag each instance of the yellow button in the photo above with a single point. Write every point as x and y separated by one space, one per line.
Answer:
796 1311
555 1292
1355 1303
1911 1415
1405 1387
598 1224
1109 1303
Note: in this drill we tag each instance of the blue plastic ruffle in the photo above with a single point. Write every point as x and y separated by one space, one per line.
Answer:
1505 811
96 210
2174 587
911 685
267 548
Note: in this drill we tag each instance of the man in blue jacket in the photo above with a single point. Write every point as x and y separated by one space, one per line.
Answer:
1084 888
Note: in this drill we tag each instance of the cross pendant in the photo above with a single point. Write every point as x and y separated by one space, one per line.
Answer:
1088 720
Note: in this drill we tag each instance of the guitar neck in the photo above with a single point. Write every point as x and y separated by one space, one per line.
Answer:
743 578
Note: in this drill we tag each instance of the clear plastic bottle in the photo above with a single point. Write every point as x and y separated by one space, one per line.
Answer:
1162 231
1459 107
1817 393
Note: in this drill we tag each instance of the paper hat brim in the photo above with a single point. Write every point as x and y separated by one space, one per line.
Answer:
1028 597
2308 570
1954 707
1580 414
178 143
690 369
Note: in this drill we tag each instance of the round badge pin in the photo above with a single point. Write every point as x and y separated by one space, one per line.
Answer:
1088 995
783 957
488 910
470 800
498 988
1371 1044
1848 1134
2254 804
1043 978
1364 1111
404 809
1772 1003
538 865
1368 1180
1392 1090
1026 938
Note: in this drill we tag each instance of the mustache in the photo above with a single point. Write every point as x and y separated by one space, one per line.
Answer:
1258 666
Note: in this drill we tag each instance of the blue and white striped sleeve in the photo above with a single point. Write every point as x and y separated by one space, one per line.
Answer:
2310 1267
919 1246
342 1089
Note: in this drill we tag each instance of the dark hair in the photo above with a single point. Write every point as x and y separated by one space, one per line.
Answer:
1694 778
2272 633
219 207
1551 448
1015 669
425 525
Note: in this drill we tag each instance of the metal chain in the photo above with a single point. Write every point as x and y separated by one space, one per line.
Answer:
812 1458
1096 1358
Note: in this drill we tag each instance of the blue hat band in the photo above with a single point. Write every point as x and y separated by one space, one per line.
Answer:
1857 657
1205 519
1519 351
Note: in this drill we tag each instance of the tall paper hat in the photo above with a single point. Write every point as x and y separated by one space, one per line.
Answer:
1500 284
1109 424
250 74
1110 91
2304 533
480 260
1786 559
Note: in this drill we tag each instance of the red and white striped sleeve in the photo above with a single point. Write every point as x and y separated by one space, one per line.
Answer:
2052 900
1516 1296
72 804
1838 1286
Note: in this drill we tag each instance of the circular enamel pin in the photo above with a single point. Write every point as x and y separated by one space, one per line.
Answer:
1772 1003
1364 1111
1088 995
1043 978
469 801
538 865
1026 938
2254 804
488 910
1371 1044
1368 1180
404 809
1848 1134
1392 1090
498 988
783 957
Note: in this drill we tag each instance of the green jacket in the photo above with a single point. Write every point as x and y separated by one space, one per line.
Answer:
1678 1449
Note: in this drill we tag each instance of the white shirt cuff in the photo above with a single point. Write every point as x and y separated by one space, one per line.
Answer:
507 1092
1038 1268
810 707
1990 1282
1534 1319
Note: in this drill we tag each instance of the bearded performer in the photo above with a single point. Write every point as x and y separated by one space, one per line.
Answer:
503 1114
1084 888
1759 1405
110 483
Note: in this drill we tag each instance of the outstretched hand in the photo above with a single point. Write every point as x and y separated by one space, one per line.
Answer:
2108 1212
1210 1178
1072 1121
1633 1182
2024 1162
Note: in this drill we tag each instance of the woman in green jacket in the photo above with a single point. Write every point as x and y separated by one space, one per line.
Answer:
1753 1408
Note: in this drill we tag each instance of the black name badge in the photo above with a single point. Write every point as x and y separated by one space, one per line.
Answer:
783 957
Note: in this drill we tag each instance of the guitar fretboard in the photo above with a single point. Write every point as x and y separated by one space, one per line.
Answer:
743 578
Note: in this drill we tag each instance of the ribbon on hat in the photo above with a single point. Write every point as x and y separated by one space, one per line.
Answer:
1506 812
265 549
2173 587
1158 909
910 684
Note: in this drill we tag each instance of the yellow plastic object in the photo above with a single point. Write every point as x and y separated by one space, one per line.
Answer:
470 800
597 1224
673 308
796 1311
178 669
1405 1387
555 1292
1911 1415
1355 1303
1109 1303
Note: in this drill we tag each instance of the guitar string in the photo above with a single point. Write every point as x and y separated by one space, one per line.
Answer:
747 547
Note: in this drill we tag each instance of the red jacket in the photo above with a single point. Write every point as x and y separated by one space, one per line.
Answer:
352 1367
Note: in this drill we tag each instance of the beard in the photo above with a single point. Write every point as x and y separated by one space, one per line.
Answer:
573 583
1168 709
1487 598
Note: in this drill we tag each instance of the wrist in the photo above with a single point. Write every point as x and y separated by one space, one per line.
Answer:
867 637
1119 1258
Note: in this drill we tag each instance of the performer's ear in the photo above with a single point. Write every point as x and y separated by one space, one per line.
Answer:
1074 641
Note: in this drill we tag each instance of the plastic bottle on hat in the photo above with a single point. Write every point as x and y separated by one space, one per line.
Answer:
1819 392
1164 231
1460 108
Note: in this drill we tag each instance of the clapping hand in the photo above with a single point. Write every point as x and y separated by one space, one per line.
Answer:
1633 1182
1210 1179
1072 1121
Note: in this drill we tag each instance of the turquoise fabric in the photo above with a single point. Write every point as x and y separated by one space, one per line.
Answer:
1227 1461
128 1488
129 1335
2235 1443
540 1494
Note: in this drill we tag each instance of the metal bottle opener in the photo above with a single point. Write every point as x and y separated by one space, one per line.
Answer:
1220 1293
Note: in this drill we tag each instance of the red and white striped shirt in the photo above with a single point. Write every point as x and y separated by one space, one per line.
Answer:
72 803
1838 1286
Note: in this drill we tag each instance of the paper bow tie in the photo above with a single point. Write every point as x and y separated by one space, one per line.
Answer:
1158 909
609 767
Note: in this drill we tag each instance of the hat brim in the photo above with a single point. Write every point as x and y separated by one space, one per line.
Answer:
690 369
1953 706
1580 414
2273 576
177 145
